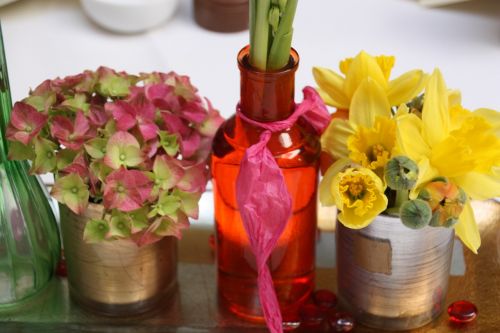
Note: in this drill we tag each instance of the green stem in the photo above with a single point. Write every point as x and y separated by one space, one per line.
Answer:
259 43
252 18
280 48
401 198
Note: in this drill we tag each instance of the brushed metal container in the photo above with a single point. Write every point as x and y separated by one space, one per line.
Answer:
392 277
116 278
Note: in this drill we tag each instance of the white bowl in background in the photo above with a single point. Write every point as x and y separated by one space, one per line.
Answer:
129 16
5 2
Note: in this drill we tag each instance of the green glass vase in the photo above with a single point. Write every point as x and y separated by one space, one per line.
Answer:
29 239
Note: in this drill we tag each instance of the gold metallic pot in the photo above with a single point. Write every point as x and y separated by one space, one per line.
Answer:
116 278
392 277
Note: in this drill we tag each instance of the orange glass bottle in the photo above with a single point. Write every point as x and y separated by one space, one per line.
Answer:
266 97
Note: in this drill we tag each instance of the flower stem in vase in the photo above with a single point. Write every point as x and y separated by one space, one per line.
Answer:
271 31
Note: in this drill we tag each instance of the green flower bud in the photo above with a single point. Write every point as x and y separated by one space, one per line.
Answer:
282 4
415 214
446 201
441 220
401 173
274 18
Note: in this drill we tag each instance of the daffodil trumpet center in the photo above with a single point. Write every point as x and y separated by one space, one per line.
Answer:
372 147
357 191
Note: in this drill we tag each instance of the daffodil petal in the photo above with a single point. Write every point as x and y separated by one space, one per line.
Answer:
325 194
386 63
492 116
348 218
466 229
435 114
402 110
426 173
409 137
368 102
325 97
404 88
334 139
479 186
457 116
333 85
363 66
454 97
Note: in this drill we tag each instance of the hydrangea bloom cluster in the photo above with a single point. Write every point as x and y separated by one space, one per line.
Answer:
138 145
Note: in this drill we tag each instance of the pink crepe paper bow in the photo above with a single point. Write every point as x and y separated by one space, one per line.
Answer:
263 199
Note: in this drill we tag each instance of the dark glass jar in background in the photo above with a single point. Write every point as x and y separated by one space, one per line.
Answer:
222 15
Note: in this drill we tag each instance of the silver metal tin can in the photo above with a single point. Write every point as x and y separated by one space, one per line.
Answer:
392 277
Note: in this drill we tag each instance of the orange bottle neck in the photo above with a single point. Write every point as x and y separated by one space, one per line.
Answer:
267 96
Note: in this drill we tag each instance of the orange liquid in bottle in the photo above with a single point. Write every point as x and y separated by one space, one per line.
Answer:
266 97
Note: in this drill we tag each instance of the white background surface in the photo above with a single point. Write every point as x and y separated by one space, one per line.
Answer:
49 38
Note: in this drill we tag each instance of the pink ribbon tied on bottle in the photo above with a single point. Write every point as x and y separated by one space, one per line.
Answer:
263 198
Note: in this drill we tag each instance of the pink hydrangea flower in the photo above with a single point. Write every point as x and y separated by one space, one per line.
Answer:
126 190
72 134
26 122
138 145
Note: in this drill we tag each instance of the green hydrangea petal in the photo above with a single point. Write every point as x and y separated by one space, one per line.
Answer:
96 148
95 230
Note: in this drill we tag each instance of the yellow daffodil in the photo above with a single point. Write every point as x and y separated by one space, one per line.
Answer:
450 141
368 137
338 91
357 192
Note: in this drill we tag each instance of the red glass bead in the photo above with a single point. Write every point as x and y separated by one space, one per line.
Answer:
341 322
461 312
325 299
311 315
61 269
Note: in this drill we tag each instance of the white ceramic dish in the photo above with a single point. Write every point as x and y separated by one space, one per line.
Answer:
129 16
5 2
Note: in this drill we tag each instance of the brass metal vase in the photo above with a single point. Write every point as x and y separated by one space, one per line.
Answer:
391 277
116 278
